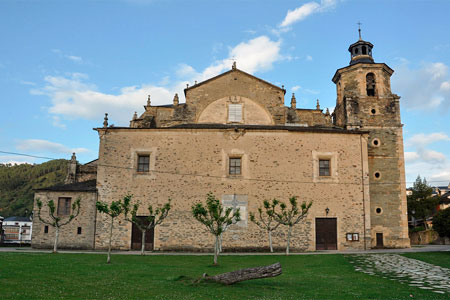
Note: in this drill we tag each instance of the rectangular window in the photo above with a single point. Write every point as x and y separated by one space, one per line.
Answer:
46 229
143 163
64 208
234 112
79 230
324 167
235 166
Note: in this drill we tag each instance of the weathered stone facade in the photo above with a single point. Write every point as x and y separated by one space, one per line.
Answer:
79 233
236 115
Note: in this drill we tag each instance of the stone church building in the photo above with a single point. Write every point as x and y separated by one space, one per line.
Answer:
235 137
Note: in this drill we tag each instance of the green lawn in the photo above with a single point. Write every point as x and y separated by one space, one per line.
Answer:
87 276
436 258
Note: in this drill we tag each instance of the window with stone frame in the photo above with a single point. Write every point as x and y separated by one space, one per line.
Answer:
324 167
234 112
64 206
143 163
235 166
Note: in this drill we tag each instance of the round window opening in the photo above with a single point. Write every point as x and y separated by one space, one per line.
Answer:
376 142
373 111
377 175
378 210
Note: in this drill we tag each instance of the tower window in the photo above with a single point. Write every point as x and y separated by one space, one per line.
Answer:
370 84
364 50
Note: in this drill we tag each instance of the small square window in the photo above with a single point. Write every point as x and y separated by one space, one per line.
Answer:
234 112
79 230
64 208
143 163
324 167
235 166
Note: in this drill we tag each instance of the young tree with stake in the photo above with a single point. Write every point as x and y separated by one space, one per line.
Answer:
215 218
155 217
267 220
291 216
114 210
57 221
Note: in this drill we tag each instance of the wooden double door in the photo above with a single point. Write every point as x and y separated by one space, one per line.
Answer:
326 234
136 236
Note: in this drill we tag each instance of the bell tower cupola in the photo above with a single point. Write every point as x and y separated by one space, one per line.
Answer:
361 51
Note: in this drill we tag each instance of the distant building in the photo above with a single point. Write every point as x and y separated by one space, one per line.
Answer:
17 230
235 137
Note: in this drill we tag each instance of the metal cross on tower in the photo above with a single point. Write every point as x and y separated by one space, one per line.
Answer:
359 29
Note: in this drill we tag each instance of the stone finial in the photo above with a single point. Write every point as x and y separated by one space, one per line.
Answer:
233 67
293 101
187 85
135 116
149 102
282 87
318 105
71 176
195 82
105 121
175 100
327 113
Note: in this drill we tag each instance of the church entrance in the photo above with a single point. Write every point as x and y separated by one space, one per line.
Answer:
326 234
136 236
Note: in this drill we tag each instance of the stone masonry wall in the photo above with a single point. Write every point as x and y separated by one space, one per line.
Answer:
186 164
68 234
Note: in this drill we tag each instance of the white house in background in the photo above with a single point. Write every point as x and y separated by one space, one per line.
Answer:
17 230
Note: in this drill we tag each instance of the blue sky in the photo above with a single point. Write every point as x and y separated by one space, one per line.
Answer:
63 64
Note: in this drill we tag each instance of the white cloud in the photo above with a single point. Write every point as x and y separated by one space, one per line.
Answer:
74 58
426 162
421 139
16 159
36 145
307 9
309 58
296 88
24 82
425 88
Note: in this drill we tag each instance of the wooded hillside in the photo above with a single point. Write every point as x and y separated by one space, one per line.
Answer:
18 181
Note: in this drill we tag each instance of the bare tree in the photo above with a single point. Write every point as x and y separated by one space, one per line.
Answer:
291 216
57 221
155 217
267 220
216 218
113 210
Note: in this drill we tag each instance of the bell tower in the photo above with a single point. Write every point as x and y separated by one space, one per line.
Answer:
365 102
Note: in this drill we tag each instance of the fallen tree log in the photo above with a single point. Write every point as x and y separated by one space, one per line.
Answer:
246 274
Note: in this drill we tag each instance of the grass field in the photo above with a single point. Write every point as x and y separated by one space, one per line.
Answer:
87 276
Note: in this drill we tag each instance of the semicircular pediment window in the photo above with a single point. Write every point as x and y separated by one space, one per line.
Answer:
235 110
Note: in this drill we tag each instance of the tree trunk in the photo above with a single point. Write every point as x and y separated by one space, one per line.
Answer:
216 249
55 245
246 274
220 243
288 240
143 243
270 241
108 260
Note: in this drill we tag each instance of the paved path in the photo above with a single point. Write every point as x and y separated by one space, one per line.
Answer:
406 270
427 248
